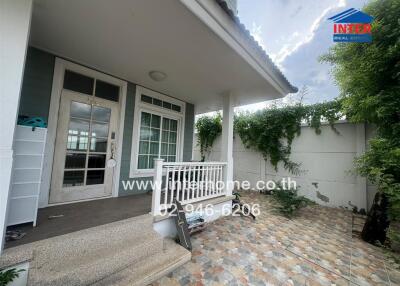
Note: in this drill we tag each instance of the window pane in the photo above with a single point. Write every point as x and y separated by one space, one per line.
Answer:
143 147
99 129
176 108
172 149
95 177
171 158
173 125
155 134
107 91
143 162
151 161
98 144
101 114
155 121
172 137
165 136
73 178
165 124
146 99
77 82
165 158
80 110
97 161
154 148
166 105
164 149
144 133
75 161
157 102
78 132
145 119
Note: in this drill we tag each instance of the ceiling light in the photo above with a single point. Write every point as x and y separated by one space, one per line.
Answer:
157 75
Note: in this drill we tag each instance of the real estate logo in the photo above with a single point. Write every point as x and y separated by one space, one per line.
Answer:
352 26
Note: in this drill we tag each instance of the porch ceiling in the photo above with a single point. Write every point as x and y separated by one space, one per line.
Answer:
130 38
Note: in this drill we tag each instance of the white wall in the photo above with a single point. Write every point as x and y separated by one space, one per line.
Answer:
327 161
15 19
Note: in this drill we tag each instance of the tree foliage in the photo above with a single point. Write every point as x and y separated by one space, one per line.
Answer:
368 75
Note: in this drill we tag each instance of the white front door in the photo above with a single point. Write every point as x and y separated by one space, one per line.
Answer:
85 146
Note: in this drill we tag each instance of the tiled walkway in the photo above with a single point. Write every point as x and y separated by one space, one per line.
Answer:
315 248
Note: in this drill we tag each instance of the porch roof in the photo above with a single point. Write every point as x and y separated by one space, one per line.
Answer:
203 51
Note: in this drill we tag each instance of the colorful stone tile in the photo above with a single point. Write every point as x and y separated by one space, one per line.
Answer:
314 248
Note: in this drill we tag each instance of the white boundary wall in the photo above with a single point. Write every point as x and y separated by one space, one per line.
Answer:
327 160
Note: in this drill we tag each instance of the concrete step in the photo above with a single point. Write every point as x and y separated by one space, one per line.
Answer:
151 268
87 256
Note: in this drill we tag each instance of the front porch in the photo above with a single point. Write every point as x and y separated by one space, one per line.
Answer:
59 220
118 85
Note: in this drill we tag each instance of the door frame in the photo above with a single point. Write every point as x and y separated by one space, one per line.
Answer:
58 78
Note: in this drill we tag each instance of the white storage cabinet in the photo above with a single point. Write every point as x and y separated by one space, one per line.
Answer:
26 174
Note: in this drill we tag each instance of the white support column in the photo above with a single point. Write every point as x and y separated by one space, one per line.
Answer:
227 140
157 183
15 18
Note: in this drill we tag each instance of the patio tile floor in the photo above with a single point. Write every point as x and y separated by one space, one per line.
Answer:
315 248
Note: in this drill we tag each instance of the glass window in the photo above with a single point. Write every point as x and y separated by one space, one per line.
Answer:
156 140
147 99
107 91
77 82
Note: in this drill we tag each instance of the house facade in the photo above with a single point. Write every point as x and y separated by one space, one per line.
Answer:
117 85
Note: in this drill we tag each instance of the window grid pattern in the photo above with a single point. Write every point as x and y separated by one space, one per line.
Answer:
158 138
160 103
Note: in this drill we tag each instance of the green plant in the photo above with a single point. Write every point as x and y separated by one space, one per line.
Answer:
289 202
271 131
7 276
208 129
368 75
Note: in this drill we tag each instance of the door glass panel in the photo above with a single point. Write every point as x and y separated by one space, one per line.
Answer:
107 91
97 161
99 129
84 120
78 132
95 177
101 114
73 178
98 144
78 82
80 110
75 161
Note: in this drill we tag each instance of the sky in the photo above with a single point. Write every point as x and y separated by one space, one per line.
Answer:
295 33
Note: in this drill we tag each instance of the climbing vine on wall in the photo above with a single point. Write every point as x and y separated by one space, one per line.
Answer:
208 128
271 131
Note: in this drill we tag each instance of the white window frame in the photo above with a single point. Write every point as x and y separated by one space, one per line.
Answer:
140 107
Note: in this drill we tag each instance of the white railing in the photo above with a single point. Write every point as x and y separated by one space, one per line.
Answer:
188 182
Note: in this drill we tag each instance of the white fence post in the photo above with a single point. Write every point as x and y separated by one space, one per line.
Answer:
157 183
